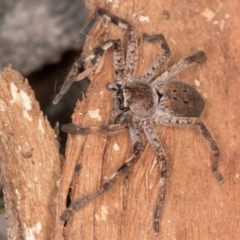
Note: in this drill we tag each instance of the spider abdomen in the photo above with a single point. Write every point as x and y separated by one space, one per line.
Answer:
179 99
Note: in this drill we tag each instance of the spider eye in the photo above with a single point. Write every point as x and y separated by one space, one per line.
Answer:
185 102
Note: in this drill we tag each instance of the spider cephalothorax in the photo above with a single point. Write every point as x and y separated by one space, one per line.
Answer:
141 103
141 99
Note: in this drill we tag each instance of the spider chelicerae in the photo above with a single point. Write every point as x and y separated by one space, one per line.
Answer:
139 104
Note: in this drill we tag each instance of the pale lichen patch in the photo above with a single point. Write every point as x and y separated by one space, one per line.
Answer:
95 114
209 14
173 41
21 97
40 126
103 213
26 115
197 82
143 18
205 95
98 218
227 16
113 1
26 101
17 192
3 106
116 147
31 233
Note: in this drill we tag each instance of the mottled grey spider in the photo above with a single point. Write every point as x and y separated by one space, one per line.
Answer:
139 103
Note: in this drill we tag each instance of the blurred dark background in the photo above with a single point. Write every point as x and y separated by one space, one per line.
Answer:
39 39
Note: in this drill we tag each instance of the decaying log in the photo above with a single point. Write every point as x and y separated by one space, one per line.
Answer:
29 160
197 206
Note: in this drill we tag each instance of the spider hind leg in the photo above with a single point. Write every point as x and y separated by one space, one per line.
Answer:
135 133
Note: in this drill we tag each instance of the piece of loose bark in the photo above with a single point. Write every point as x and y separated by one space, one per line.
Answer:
197 206
29 161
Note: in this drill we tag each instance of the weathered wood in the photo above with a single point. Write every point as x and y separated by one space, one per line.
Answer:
29 161
197 206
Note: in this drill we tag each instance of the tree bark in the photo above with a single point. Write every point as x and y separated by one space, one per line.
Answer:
197 206
29 161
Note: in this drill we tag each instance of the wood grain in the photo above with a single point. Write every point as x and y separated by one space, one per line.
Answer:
29 161
197 206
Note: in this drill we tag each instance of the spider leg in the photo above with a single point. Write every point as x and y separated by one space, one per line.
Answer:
213 145
198 57
206 134
135 134
119 62
154 69
132 44
162 163
75 75
87 27
75 129
119 68
69 80
132 56
119 72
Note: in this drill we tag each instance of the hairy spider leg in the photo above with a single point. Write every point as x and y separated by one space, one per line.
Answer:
75 129
119 62
173 121
213 145
88 26
132 43
75 75
198 57
154 69
131 58
120 79
135 133
162 163
69 80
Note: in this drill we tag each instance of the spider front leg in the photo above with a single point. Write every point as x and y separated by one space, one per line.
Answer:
206 134
119 62
162 163
132 43
70 79
76 75
135 133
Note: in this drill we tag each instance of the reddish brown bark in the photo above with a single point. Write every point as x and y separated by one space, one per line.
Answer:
29 161
197 206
